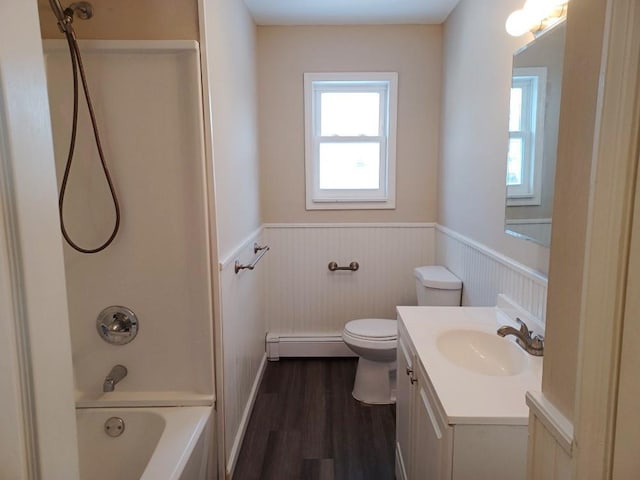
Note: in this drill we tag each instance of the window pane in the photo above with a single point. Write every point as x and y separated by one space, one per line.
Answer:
349 166
515 161
515 110
349 113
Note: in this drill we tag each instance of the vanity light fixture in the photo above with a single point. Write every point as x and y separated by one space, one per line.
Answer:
536 16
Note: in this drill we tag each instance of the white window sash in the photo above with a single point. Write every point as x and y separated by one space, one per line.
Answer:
533 83
386 86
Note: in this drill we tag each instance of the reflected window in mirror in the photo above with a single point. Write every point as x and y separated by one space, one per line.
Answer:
526 124
534 114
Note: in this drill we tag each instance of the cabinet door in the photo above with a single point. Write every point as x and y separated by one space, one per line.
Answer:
404 397
433 438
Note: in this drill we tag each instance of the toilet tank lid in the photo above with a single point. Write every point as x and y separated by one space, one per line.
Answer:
437 276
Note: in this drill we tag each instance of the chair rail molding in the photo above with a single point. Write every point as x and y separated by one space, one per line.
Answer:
486 273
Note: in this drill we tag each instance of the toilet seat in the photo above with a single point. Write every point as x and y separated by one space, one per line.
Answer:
372 329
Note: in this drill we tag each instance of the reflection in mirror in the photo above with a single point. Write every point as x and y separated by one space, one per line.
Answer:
533 136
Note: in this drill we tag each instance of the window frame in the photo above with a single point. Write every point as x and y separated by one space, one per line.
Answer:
534 83
385 83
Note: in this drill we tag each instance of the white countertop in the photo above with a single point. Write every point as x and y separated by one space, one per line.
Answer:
467 397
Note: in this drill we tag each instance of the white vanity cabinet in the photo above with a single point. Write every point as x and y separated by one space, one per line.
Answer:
404 409
424 440
430 445
432 436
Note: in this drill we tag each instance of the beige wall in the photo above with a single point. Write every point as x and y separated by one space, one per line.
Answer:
230 43
477 78
286 53
129 20
577 121
229 66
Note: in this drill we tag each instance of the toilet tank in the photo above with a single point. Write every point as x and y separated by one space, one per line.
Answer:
437 286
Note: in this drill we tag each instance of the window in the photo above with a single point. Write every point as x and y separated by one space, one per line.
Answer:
350 126
526 122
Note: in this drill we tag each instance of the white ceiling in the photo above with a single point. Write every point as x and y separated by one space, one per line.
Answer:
349 12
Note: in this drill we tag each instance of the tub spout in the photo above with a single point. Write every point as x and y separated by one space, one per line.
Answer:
116 374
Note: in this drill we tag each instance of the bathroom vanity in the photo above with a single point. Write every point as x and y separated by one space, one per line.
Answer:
461 412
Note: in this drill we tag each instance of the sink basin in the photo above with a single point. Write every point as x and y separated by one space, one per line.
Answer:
480 352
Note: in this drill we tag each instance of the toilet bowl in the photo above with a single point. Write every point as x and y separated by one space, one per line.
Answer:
374 340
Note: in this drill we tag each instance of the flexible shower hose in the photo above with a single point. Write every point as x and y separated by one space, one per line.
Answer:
77 67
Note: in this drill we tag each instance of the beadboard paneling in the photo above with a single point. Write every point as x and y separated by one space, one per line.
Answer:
303 296
551 441
243 332
486 273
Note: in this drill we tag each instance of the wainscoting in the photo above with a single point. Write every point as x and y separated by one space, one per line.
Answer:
306 305
292 295
485 273
550 441
243 332
303 297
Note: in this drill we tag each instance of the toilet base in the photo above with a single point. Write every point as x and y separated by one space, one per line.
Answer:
375 382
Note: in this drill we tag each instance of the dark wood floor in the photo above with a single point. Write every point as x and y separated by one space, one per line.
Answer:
306 425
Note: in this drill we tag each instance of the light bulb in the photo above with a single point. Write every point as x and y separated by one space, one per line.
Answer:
518 23
538 10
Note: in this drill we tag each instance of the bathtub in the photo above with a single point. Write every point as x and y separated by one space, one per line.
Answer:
166 443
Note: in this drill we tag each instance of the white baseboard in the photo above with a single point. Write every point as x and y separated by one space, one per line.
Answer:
306 346
237 443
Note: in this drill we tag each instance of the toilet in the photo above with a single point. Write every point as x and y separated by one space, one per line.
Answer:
374 340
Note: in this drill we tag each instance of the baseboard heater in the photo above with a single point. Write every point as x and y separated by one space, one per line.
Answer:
326 345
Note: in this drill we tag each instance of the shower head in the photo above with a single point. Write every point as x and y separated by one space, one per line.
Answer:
84 10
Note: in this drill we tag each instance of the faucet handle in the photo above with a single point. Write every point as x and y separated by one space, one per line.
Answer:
117 325
537 342
523 328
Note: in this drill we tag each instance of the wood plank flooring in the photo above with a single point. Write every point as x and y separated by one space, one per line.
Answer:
306 425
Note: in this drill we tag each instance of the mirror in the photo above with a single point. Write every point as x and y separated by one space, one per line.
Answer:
534 115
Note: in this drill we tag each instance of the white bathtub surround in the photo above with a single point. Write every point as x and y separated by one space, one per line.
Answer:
147 96
143 399
157 444
243 334
486 273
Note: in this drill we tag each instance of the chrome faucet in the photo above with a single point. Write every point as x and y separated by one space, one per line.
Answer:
116 374
532 345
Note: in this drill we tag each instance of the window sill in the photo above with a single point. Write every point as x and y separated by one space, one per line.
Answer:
523 201
359 205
